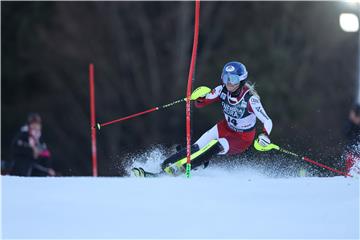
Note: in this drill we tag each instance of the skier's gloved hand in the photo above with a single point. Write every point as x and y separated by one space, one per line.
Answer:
264 140
200 92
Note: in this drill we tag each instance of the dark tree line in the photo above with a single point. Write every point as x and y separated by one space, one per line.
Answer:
303 65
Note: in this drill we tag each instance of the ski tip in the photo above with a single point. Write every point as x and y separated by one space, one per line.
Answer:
138 172
98 126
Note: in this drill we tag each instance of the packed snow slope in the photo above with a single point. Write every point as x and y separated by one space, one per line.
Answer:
213 203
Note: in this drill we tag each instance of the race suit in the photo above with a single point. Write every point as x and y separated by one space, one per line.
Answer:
236 132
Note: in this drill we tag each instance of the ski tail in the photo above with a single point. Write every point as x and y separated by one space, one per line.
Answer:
140 172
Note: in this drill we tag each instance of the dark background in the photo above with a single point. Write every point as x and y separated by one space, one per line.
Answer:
303 64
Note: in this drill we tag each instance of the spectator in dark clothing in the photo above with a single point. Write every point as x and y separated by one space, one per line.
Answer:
352 152
30 156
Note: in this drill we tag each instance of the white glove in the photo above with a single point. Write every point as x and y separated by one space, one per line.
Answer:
264 140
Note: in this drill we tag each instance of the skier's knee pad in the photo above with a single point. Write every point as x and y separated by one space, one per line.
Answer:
205 157
178 156
198 156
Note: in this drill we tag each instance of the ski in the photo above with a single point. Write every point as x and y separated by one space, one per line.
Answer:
175 165
172 170
140 172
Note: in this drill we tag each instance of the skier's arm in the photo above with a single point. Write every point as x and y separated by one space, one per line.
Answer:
257 108
209 98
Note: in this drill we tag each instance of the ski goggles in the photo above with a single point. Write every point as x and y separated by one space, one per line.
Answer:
233 78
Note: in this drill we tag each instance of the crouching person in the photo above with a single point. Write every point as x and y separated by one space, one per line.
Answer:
234 134
30 155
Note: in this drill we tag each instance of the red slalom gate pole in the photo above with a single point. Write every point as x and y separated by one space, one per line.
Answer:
92 120
189 88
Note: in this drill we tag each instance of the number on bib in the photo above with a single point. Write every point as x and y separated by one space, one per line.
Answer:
232 121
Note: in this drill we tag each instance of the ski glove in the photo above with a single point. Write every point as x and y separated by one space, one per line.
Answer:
264 140
200 92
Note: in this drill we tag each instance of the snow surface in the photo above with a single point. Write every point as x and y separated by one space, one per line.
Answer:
214 203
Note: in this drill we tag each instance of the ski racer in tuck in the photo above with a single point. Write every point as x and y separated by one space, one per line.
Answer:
234 134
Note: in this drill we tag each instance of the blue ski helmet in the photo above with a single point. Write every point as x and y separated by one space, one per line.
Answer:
234 72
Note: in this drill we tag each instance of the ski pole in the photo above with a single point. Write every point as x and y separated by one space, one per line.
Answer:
199 92
99 125
271 146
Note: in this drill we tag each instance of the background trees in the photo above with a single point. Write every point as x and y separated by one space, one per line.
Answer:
304 67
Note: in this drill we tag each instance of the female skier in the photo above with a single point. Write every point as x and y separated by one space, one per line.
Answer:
234 134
